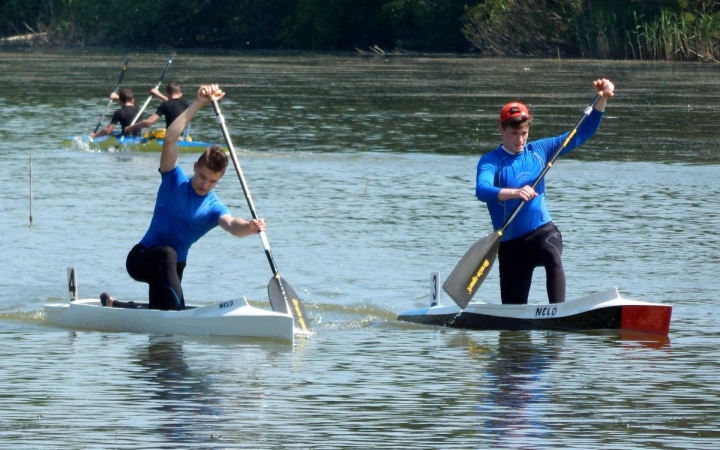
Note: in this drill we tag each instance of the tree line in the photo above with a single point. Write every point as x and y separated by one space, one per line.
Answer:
618 29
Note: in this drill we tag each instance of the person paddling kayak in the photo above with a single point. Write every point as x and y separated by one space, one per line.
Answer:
123 116
171 107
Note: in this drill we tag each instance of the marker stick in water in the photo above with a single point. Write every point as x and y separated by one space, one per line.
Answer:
31 194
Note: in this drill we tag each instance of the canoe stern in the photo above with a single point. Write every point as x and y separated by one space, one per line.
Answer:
653 319
602 310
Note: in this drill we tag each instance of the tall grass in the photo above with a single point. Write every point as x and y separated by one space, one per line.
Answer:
597 33
603 34
672 37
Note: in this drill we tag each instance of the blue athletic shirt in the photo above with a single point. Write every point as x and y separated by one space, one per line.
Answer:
181 217
502 169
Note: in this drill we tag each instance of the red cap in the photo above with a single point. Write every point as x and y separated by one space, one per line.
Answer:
512 110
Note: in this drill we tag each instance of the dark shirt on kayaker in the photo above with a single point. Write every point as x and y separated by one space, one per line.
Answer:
124 116
171 109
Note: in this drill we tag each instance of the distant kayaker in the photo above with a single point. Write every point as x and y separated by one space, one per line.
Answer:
123 116
504 178
171 107
185 210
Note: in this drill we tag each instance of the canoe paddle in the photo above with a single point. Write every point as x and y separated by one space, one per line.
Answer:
157 86
473 268
282 297
117 88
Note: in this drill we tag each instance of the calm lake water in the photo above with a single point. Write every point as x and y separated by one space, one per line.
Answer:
363 168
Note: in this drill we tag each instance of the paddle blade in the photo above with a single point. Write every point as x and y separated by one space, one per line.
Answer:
473 268
283 297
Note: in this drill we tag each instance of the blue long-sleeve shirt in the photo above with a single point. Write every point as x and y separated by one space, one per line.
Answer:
502 169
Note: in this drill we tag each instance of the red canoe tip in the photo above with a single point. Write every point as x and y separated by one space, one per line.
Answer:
646 318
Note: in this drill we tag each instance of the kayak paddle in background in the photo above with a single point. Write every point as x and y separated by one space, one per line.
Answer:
282 297
473 268
157 86
117 88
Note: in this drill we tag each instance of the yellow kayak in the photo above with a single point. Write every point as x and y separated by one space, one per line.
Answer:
145 143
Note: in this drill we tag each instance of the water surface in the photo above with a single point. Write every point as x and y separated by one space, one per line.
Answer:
363 168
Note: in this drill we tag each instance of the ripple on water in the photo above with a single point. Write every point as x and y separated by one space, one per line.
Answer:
363 169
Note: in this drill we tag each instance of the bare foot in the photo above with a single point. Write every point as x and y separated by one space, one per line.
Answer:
107 300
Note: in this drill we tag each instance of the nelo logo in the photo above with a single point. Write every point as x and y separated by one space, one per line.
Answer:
546 311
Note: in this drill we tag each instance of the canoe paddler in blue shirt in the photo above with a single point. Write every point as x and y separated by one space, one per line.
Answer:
504 178
185 209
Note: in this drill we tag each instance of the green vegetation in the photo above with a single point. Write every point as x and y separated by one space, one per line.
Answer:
619 29
622 29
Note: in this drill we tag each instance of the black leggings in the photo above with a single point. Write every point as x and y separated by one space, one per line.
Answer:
518 259
158 267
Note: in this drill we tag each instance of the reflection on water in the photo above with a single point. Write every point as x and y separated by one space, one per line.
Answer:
517 373
180 395
634 339
513 382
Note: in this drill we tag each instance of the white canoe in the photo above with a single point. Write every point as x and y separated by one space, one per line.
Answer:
228 318
603 310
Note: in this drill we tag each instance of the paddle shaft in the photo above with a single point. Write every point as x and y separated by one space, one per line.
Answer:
117 88
243 183
550 163
157 86
277 284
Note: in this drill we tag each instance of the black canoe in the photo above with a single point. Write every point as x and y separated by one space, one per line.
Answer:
602 310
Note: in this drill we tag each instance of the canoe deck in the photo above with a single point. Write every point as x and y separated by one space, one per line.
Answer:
602 310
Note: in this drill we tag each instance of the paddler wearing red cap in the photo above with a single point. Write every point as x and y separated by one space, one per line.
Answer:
504 179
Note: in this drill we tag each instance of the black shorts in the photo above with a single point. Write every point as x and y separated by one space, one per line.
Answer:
519 257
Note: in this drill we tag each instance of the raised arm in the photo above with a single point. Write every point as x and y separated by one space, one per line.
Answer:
154 91
606 89
170 149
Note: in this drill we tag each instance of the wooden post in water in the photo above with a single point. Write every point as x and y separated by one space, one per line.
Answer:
31 194
559 60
